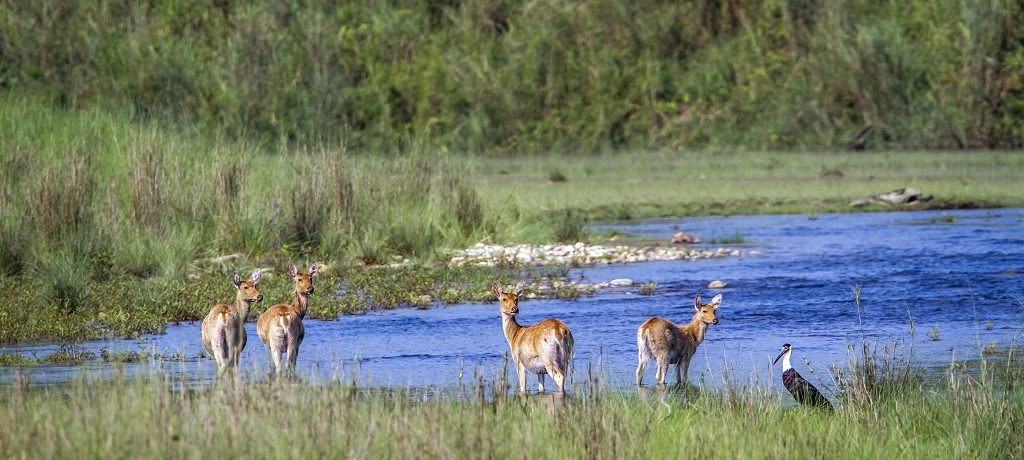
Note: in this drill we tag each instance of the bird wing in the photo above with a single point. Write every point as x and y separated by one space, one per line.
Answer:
804 391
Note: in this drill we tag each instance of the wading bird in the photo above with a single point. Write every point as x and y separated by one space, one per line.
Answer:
799 387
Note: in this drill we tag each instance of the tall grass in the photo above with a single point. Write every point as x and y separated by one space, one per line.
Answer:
514 76
964 416
91 197
148 201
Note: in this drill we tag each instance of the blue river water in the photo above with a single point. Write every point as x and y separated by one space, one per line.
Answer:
957 277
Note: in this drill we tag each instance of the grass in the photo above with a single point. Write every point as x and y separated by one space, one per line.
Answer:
729 182
135 232
963 415
128 306
734 239
501 76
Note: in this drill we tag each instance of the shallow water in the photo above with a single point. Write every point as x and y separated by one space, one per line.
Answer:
965 278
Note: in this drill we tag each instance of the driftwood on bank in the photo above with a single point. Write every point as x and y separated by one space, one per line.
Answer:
908 196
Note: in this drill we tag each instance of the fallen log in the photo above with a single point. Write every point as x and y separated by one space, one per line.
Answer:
908 196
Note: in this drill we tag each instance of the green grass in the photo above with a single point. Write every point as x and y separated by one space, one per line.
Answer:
964 416
116 227
726 182
513 76
129 306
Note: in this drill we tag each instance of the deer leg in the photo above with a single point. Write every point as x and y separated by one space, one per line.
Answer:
241 344
275 357
293 355
558 376
540 383
662 370
521 372
640 367
217 350
685 364
231 353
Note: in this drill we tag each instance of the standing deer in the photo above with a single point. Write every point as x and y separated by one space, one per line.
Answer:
544 348
668 343
224 327
280 327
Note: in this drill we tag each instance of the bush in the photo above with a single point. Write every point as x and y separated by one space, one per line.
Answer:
507 76
570 226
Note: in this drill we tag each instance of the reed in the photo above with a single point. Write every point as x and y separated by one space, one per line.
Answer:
963 415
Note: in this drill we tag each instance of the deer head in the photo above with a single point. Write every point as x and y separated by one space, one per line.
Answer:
509 301
706 311
247 291
304 281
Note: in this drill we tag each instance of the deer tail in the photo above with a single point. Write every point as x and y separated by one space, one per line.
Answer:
567 350
281 336
643 341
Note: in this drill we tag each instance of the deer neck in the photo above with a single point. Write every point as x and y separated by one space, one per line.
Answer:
697 327
300 304
511 327
242 306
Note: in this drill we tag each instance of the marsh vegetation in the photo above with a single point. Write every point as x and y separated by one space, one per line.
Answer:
885 410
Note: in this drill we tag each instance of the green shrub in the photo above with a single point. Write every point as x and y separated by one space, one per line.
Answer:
570 226
513 77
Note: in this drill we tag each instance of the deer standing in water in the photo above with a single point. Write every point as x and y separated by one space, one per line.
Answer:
224 327
280 327
668 343
544 348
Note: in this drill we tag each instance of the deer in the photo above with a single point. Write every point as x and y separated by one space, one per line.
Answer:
675 344
544 348
224 327
280 326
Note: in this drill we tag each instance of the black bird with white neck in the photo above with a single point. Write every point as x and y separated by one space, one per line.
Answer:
799 387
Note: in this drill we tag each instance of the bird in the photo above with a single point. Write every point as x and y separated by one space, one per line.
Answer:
799 387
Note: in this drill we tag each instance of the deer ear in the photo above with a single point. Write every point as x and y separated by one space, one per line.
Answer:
716 301
314 270
292 270
237 280
496 289
255 277
519 288
696 303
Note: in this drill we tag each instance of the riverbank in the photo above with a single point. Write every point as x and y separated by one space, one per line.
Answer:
138 224
973 414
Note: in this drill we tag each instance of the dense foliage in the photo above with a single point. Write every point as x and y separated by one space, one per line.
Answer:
502 75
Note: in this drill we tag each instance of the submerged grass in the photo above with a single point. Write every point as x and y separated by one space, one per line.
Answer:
972 416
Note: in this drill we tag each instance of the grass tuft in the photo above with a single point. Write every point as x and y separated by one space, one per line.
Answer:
570 226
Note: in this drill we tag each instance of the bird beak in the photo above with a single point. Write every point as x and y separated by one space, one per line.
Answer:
777 358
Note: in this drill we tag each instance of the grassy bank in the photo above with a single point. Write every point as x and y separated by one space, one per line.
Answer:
976 415
660 184
129 306
501 75
115 226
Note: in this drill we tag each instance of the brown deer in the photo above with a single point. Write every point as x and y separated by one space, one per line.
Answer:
544 348
280 327
224 327
668 343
